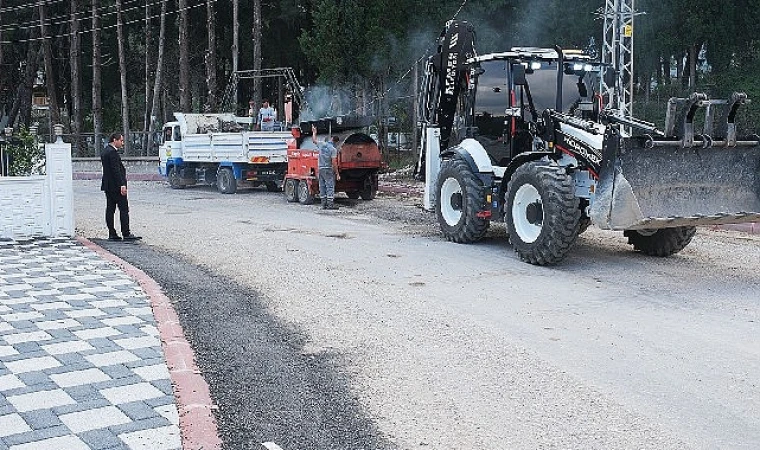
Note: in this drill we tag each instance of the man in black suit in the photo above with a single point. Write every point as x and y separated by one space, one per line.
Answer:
114 184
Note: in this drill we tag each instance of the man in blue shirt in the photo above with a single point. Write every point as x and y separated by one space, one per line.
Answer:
328 169
267 116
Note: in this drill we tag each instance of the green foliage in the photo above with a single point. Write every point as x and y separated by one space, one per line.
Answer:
27 158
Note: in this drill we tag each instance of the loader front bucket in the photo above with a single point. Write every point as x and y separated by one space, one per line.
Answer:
652 183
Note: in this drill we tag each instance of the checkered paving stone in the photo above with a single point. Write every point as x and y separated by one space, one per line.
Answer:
81 365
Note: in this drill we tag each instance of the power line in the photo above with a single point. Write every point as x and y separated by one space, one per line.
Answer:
89 30
85 14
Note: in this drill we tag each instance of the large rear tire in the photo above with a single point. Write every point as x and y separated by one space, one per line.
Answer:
460 198
662 242
542 213
175 180
291 188
305 197
225 181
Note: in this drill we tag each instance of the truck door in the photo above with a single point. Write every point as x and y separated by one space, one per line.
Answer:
171 146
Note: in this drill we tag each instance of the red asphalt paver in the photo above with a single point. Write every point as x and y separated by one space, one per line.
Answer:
196 419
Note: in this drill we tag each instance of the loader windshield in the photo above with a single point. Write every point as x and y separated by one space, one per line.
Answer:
541 77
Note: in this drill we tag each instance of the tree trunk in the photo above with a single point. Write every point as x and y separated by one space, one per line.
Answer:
24 90
25 114
211 101
257 50
76 79
235 47
159 68
52 92
185 104
97 101
666 69
693 66
146 141
123 72
3 87
415 108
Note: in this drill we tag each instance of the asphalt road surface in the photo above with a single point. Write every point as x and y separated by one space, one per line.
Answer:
363 329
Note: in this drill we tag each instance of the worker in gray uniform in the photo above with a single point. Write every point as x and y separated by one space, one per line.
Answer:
328 169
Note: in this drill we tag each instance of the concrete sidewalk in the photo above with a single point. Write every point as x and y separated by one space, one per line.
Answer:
92 355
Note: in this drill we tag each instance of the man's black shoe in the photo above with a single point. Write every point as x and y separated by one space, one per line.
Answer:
114 237
131 237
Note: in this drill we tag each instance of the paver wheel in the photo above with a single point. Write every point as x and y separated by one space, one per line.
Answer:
305 197
175 180
369 192
225 181
542 213
662 242
291 187
460 195
353 195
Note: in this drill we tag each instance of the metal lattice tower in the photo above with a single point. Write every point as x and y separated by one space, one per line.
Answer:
618 53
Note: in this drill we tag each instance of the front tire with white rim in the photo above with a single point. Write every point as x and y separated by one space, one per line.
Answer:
542 213
460 198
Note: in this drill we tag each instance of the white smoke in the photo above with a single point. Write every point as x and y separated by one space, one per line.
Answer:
327 101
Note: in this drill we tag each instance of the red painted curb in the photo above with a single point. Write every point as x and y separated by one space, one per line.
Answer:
130 176
196 419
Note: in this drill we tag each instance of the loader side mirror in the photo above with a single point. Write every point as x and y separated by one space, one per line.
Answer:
518 75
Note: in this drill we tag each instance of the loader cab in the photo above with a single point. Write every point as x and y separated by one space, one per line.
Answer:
508 92
489 95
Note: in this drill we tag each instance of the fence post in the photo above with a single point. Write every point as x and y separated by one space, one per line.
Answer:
61 187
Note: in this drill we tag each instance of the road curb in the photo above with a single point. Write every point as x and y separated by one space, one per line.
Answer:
196 418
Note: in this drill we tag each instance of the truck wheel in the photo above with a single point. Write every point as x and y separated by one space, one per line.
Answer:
369 192
542 213
225 181
305 197
291 188
353 195
273 187
662 242
459 200
175 181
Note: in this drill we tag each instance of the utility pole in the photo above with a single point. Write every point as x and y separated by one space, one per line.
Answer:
617 54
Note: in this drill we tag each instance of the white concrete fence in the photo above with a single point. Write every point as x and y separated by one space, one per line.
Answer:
40 205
